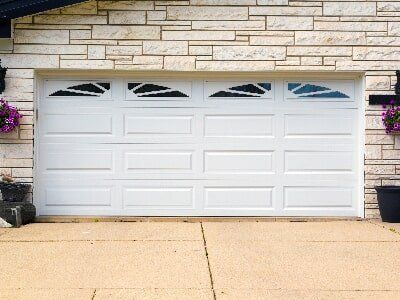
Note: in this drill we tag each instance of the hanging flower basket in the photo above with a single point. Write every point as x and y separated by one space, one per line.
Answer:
391 118
9 117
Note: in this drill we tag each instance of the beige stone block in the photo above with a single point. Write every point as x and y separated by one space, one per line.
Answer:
223 2
378 83
16 151
391 154
165 47
380 169
30 61
353 8
351 26
394 28
373 152
123 50
206 13
126 5
25 36
236 66
284 11
272 40
86 8
87 64
272 2
350 65
154 15
374 122
198 35
80 34
311 61
179 63
376 53
127 17
16 163
321 38
229 25
388 6
96 52
70 19
379 139
50 49
319 51
249 53
148 60
200 50
126 32
22 172
383 40
289 23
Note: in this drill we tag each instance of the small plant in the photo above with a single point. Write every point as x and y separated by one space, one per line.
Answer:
9 117
391 118
7 178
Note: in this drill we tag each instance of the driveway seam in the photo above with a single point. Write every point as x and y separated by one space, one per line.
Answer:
208 261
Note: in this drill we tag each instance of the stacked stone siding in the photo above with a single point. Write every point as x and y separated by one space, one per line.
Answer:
211 35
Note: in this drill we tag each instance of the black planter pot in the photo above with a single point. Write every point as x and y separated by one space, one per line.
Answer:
28 212
14 192
389 203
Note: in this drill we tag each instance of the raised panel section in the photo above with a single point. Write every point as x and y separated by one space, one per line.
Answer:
76 160
238 161
318 125
317 197
244 126
318 162
238 197
77 124
152 125
158 161
78 196
158 197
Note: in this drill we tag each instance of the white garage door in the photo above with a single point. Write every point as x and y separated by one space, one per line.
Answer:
198 147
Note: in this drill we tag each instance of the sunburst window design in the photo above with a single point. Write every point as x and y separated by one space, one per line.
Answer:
92 89
314 91
252 90
141 89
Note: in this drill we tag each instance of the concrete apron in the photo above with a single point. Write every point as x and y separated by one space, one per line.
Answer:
223 260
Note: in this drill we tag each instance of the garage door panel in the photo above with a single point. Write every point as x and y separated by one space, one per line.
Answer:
160 161
240 126
77 124
319 162
312 125
78 196
79 161
318 197
158 197
191 147
239 162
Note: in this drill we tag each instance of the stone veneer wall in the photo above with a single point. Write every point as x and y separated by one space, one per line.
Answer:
211 35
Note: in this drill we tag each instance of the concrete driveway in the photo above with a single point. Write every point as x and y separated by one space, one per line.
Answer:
208 260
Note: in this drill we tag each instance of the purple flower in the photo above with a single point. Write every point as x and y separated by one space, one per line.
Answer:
9 117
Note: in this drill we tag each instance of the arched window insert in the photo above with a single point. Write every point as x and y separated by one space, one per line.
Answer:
92 89
252 90
141 89
307 90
